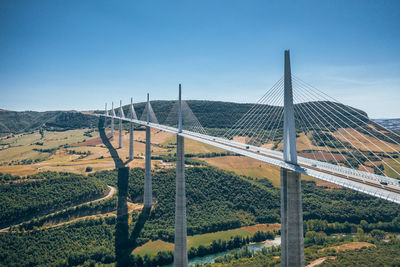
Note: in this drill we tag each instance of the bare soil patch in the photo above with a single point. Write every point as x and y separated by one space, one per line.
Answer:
350 246
323 156
262 227
320 261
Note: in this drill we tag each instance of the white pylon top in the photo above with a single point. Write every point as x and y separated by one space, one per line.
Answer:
112 108
121 111
289 129
148 109
106 110
132 113
180 110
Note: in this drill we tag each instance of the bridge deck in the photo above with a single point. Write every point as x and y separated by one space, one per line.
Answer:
354 179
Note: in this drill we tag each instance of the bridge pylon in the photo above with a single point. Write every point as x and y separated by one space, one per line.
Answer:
132 110
121 115
148 196
180 242
105 116
112 119
292 240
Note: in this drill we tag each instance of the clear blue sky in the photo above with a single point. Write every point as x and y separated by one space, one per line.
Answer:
61 55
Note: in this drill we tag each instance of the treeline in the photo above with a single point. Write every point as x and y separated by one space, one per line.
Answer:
51 191
346 227
21 162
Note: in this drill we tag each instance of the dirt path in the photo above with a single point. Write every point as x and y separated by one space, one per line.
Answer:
111 192
320 261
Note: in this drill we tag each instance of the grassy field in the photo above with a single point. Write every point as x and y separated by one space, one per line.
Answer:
21 147
248 167
153 247
396 166
365 142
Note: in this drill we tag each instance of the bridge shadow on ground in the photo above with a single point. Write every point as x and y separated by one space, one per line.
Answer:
124 243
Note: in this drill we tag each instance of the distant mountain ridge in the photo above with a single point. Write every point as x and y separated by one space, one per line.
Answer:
391 124
211 114
25 121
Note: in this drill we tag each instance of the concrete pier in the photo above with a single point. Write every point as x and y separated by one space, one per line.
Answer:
121 115
148 196
105 118
130 140
180 248
132 116
120 134
292 240
112 119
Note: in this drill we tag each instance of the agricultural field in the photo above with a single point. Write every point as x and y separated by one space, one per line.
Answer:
389 171
151 248
72 151
248 167
365 142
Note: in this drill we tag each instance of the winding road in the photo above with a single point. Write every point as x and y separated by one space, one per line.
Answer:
111 192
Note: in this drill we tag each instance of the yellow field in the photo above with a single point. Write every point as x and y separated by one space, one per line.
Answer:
248 167
365 142
396 166
153 247
22 148
191 146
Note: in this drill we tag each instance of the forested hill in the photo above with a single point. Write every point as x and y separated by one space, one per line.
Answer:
211 114
25 121
217 114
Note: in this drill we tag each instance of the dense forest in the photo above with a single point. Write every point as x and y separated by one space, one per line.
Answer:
48 191
61 246
216 200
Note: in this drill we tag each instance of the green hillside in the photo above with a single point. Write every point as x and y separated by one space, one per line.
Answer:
216 116
216 200
26 121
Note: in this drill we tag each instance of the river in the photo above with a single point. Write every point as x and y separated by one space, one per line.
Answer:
254 247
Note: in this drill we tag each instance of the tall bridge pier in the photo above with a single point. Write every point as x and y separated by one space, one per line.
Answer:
180 248
131 131
148 197
121 115
112 119
292 240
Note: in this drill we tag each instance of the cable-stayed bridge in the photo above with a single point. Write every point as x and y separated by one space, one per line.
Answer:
293 126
